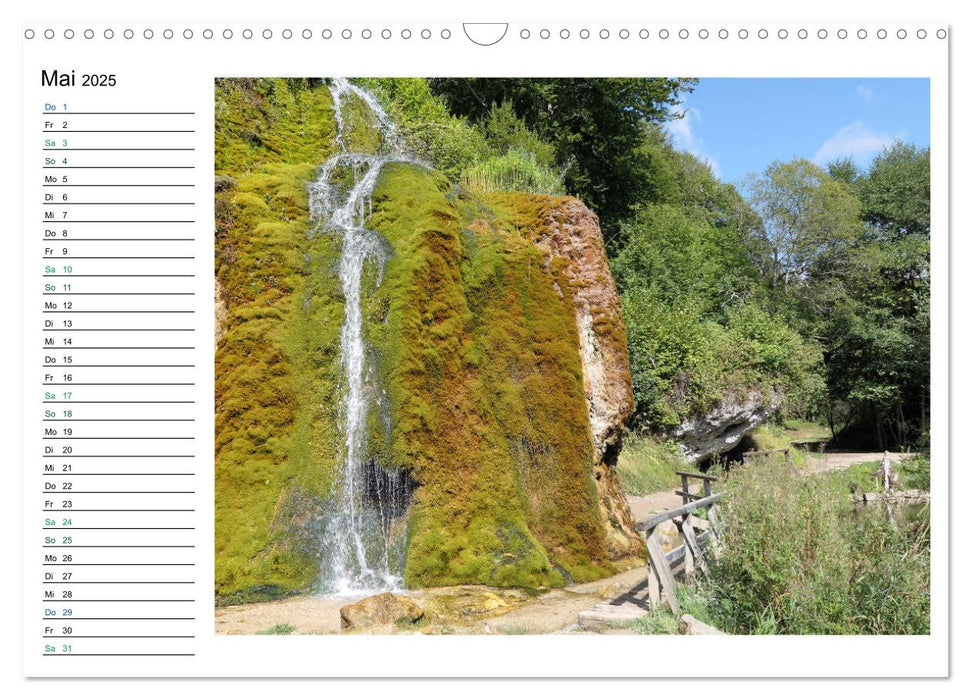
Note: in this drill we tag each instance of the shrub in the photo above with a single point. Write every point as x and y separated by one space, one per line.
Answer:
516 171
797 559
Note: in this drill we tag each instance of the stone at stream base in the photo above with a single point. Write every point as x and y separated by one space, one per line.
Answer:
603 615
379 612
692 625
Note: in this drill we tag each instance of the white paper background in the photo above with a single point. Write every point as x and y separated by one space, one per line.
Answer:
191 75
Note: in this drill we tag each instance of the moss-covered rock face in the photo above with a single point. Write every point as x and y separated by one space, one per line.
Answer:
491 400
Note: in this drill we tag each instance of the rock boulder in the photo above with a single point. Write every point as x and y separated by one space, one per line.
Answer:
379 612
722 428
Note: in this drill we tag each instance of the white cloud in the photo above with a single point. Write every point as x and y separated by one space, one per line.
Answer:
682 132
865 92
856 141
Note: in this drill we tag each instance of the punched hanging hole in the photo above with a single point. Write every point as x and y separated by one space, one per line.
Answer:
487 33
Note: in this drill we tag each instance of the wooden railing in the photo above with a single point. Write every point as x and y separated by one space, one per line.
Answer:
751 454
698 545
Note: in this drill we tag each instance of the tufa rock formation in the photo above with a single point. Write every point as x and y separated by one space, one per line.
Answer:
722 428
496 361
377 613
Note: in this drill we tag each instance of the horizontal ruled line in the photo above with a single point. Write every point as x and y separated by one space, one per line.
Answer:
119 167
118 257
55 112
73 474
119 294
123 311
111 204
118 636
166 184
127 564
120 546
65 148
117 131
72 239
72 365
117 221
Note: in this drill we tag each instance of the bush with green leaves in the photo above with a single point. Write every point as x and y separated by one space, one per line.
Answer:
797 558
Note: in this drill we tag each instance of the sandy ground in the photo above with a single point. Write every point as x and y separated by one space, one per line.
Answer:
555 611
833 461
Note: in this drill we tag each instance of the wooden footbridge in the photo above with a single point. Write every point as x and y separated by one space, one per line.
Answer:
697 523
699 540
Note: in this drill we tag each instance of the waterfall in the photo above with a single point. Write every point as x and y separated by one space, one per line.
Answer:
358 542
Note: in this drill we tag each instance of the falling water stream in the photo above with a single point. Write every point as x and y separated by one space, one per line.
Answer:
360 551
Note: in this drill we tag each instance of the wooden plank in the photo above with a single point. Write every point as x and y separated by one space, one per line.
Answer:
692 546
693 475
714 533
689 553
653 586
688 496
685 492
665 575
650 524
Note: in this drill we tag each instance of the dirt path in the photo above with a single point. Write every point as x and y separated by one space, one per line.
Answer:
555 611
834 461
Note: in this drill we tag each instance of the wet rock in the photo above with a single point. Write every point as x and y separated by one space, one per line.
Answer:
379 612
722 428
574 245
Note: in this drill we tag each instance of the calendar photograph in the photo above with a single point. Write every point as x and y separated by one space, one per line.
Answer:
588 356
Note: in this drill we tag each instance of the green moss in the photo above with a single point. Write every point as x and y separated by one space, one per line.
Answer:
479 388
480 360
274 437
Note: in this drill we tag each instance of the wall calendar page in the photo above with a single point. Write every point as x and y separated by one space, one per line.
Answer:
484 349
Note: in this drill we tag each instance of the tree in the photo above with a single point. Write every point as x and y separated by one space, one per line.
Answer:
895 194
809 218
878 328
596 125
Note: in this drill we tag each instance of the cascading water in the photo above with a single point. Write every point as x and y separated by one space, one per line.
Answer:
360 549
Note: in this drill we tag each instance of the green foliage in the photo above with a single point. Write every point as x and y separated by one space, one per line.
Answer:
283 628
596 126
499 154
797 559
516 171
810 219
895 193
647 466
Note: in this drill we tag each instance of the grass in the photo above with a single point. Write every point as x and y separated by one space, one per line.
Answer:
914 473
283 628
646 466
798 429
693 600
798 559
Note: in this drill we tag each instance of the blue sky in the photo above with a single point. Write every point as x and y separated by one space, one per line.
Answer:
740 125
